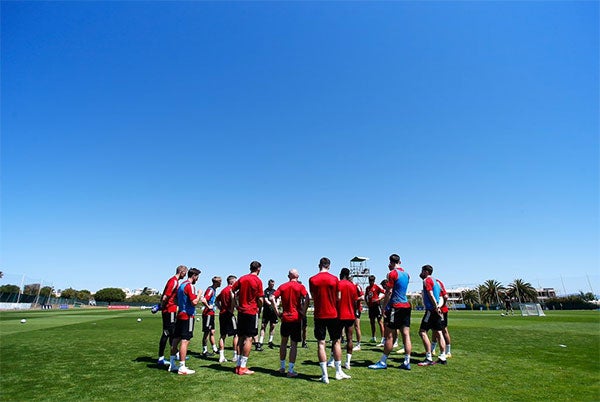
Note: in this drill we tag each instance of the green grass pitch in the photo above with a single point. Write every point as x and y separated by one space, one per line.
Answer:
95 354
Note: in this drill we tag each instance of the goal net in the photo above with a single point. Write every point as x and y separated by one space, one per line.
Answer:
528 309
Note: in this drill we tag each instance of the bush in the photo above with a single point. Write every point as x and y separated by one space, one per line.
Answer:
569 303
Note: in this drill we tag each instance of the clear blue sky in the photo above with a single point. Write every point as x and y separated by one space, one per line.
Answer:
137 136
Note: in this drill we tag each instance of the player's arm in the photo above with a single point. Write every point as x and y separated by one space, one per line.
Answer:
388 292
304 303
275 303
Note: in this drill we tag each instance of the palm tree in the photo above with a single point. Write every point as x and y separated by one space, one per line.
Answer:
522 291
470 296
489 291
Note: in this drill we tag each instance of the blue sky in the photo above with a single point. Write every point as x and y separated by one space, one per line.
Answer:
137 136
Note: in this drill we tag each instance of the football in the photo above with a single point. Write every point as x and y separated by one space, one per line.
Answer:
139 320
23 321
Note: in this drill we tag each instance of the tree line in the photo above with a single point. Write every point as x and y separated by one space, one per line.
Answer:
110 295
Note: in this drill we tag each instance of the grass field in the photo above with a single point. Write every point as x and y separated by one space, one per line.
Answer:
94 354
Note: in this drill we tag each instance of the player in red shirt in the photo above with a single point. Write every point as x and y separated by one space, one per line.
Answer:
249 289
373 296
169 311
358 312
444 310
323 289
208 317
227 321
347 298
293 297
187 299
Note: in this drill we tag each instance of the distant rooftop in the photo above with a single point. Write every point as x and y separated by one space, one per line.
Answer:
359 259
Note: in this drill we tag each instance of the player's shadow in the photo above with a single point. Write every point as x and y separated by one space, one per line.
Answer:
277 373
221 367
361 363
152 363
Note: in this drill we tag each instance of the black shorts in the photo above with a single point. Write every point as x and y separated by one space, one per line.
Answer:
398 318
168 321
375 311
227 324
332 326
291 329
269 315
208 323
431 321
184 329
247 324
444 320
345 324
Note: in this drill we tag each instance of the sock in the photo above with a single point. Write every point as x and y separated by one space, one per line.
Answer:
442 356
215 348
204 349
282 364
433 345
235 355
348 358
383 359
407 359
338 366
428 356
291 369
270 338
330 358
323 368
222 353
448 349
243 361
261 339
161 358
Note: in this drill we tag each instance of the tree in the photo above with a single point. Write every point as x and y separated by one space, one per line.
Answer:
589 296
31 289
69 293
144 299
46 291
10 289
489 291
84 295
470 296
522 291
110 295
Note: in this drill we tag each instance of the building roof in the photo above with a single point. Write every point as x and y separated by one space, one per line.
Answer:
359 259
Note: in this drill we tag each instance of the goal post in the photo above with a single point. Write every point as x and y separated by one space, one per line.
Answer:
531 309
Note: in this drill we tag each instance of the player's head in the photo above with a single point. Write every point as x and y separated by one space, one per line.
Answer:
371 279
426 270
324 263
216 280
193 274
271 283
394 261
383 284
181 271
255 267
231 279
293 274
345 273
